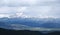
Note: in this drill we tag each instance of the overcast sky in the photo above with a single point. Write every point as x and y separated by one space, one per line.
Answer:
31 7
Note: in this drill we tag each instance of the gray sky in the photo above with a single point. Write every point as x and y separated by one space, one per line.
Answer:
31 7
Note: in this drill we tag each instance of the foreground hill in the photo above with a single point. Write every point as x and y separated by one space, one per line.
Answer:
25 32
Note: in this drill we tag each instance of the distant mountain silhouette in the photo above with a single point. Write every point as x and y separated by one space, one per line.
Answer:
31 22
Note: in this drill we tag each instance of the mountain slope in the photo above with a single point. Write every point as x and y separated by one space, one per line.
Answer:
25 23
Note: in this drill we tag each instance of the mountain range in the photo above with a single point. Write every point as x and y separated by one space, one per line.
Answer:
30 22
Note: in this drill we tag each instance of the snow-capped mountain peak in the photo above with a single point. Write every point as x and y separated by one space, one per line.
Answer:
22 15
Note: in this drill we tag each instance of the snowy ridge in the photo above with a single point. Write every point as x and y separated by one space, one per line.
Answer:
21 15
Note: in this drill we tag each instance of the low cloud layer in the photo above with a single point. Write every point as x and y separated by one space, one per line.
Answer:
31 7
